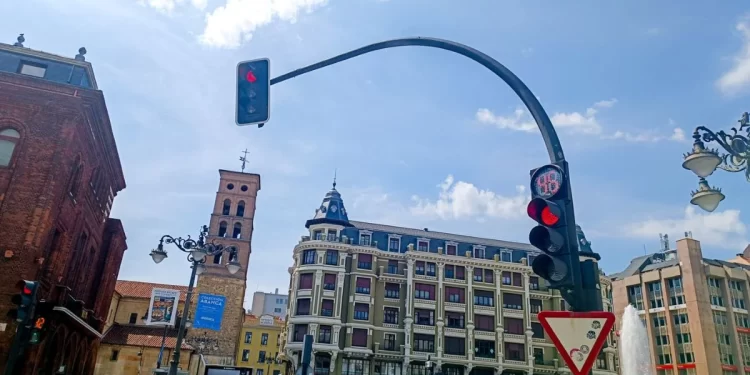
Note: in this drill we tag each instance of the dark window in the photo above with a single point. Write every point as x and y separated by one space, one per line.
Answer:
505 256
513 326
512 301
133 318
226 207
424 343
300 330
324 335
245 355
306 281
450 249
318 235
390 315
455 345
450 272
264 339
484 323
389 342
460 273
517 279
514 351
394 244
75 178
237 233
241 209
392 290
332 235
422 245
308 257
534 283
364 261
393 267
115 354
248 337
478 274
484 348
538 330
484 298
329 281
419 267
455 319
453 294
332 257
363 285
489 276
222 229
507 278
261 356
535 305
326 307
361 311
359 337
303 306
364 240
431 269
424 317
424 291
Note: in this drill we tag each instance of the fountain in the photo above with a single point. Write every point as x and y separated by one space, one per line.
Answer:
635 353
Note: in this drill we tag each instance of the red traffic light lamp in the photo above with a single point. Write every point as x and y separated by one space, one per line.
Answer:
544 212
25 300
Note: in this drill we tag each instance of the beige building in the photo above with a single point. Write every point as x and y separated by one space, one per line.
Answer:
381 299
695 309
129 346
259 346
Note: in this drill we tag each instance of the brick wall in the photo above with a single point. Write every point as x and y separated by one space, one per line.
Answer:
62 128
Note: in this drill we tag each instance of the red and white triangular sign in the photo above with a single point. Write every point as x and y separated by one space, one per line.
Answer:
578 336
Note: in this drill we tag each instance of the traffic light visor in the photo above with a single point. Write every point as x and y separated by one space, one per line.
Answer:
549 268
544 212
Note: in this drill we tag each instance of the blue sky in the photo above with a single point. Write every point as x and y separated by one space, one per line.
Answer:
419 137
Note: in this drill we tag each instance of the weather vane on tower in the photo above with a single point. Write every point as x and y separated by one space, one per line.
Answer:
243 159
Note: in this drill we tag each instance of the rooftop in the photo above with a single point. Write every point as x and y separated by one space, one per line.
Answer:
669 258
140 289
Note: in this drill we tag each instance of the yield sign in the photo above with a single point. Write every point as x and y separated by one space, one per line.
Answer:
578 336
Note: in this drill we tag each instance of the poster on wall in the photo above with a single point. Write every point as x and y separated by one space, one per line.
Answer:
163 307
209 311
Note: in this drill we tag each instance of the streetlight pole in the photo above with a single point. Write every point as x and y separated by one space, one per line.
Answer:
735 157
197 251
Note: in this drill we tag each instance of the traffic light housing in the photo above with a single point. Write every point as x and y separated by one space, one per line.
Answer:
253 92
25 301
551 207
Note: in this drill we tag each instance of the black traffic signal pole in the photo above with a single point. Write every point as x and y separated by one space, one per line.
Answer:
589 291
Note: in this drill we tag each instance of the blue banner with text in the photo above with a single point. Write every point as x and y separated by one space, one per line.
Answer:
209 311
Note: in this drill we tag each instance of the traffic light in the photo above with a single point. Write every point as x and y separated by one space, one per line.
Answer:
39 323
551 207
25 300
253 92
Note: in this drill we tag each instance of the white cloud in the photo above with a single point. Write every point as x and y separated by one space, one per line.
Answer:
718 229
738 76
584 122
234 22
459 200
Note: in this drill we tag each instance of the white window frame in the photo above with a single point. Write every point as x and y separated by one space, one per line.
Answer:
503 252
451 243
423 240
365 233
396 236
478 247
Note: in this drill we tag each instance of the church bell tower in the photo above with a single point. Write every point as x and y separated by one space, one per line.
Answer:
231 224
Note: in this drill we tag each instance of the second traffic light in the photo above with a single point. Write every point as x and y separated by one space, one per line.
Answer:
253 92
551 208
25 301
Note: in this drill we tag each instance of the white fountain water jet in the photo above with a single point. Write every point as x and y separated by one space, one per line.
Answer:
635 353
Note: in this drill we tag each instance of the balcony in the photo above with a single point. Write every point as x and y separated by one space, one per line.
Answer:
545 363
455 306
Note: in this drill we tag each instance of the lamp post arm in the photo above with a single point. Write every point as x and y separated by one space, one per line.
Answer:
554 148
181 332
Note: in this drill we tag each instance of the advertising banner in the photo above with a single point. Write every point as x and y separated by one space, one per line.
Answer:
209 311
163 307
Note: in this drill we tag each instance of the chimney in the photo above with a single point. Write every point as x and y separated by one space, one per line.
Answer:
277 291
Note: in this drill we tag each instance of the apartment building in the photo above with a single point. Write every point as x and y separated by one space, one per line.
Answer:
382 299
259 345
695 309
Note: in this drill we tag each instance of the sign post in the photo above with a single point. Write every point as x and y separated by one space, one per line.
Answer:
578 336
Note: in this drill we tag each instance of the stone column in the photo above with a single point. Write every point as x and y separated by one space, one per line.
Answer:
527 317
409 286
470 314
293 298
336 331
440 300
333 361
499 316
340 297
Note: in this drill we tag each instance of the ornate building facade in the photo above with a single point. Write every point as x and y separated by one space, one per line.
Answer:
381 299
59 174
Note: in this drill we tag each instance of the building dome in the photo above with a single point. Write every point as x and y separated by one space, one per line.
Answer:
331 211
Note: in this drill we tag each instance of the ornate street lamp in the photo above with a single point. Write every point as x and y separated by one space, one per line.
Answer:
197 251
703 162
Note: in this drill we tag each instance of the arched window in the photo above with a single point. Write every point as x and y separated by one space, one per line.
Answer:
217 258
237 231
8 140
227 206
241 209
223 229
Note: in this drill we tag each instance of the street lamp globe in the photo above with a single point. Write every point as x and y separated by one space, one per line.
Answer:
707 197
201 269
233 266
158 254
700 161
199 254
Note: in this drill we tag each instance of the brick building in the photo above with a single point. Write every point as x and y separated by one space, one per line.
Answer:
59 174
